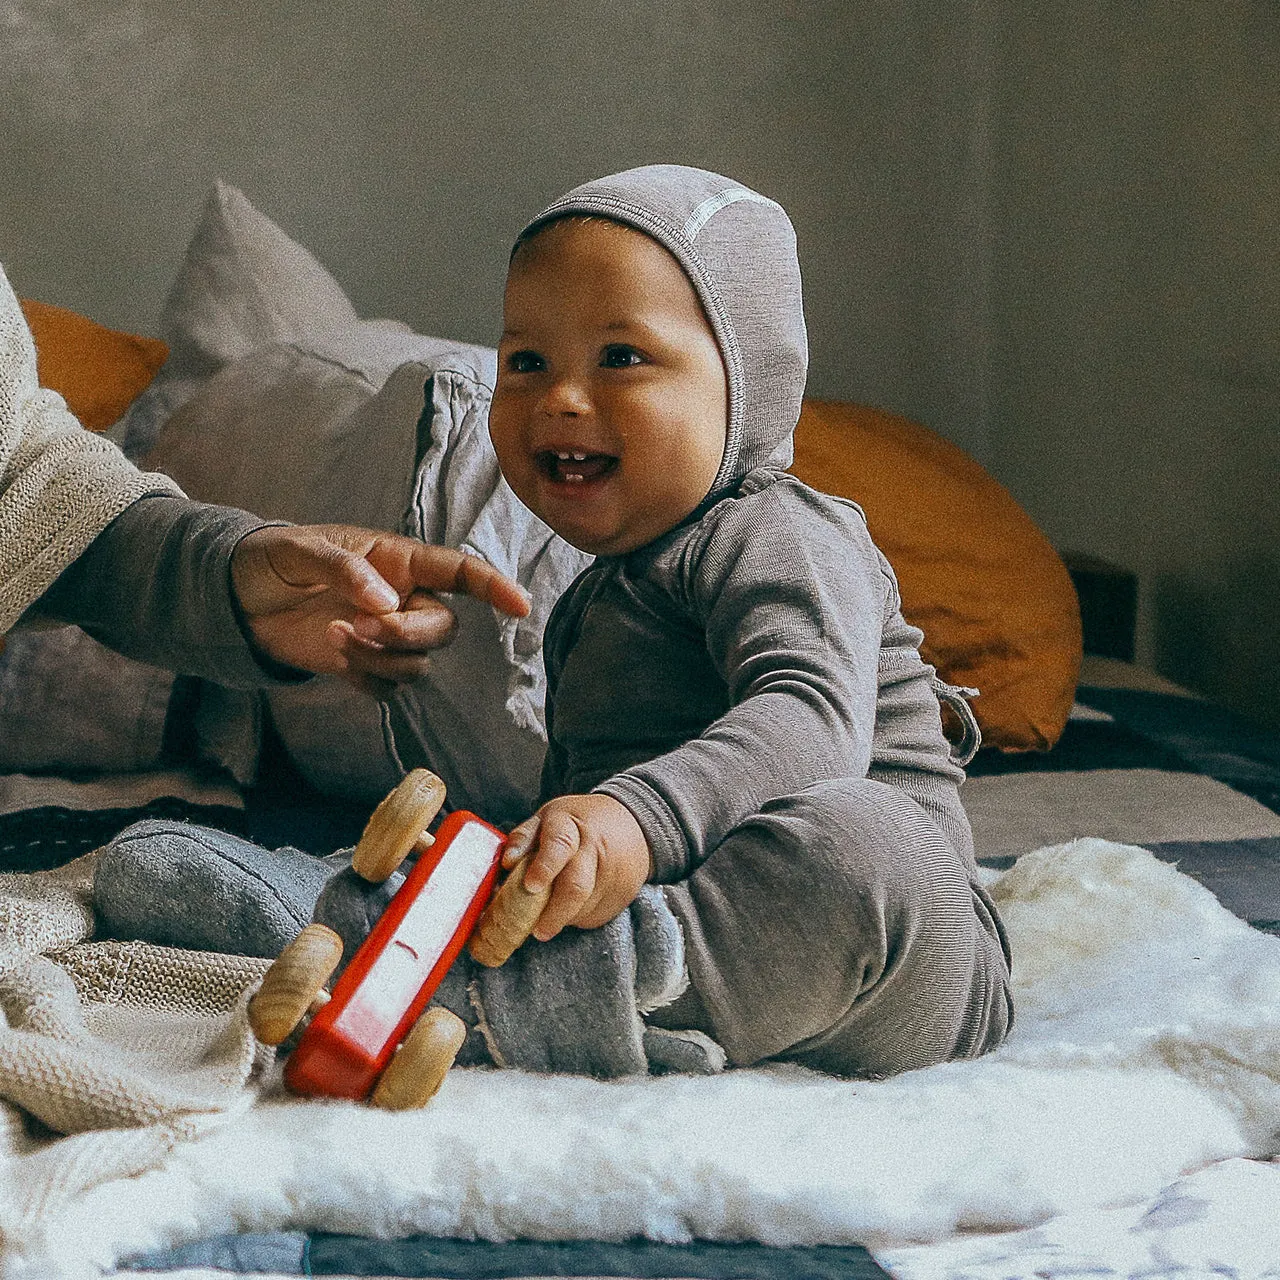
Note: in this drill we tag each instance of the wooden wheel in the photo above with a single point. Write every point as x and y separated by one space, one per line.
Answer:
292 984
508 919
420 1065
398 825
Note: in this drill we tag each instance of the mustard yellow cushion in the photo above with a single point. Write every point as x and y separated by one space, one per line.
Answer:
991 595
98 371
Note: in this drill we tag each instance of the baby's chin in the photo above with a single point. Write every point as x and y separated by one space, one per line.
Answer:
600 530
599 542
595 538
598 545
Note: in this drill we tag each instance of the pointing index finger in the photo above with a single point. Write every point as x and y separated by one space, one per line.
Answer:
445 569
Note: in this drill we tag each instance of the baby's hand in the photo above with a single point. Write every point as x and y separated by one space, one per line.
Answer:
591 850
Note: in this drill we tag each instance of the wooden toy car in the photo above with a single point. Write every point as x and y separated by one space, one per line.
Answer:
376 1037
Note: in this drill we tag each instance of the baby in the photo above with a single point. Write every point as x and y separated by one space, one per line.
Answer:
751 817
737 710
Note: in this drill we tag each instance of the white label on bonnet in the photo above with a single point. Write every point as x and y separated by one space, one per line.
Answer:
713 204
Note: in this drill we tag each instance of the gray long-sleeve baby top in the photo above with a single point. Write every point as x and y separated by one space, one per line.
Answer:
739 659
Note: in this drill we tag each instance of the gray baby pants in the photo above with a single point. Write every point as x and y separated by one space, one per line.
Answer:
841 929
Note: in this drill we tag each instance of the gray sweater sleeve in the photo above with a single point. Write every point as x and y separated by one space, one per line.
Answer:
155 585
792 601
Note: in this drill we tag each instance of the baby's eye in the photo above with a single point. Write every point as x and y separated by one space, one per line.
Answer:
618 355
525 362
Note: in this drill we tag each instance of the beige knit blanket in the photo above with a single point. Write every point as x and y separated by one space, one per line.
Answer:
130 1047
60 485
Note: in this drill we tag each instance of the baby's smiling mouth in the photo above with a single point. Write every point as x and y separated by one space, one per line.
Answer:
573 467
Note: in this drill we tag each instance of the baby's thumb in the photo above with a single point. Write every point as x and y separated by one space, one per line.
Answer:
520 840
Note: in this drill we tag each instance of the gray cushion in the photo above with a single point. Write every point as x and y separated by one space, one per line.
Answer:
277 398
53 712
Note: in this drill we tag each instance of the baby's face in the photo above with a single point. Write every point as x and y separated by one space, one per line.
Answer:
610 412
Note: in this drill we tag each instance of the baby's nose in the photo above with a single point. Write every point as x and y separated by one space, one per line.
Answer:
565 396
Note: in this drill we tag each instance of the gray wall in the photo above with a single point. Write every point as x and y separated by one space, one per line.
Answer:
1136 402
1050 238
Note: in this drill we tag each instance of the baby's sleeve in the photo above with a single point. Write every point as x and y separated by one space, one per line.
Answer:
790 594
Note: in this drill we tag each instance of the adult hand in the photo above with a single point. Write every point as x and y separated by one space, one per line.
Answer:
590 850
339 600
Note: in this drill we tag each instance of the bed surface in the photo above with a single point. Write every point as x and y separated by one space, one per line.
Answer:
1144 762
1140 762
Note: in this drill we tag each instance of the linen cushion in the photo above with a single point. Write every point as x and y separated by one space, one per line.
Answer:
277 398
993 598
243 284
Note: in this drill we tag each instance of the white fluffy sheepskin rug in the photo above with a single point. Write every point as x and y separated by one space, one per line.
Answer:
1147 1046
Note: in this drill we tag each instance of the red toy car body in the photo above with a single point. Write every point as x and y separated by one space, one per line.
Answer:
392 977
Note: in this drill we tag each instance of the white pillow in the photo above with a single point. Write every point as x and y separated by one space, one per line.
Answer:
243 284
317 416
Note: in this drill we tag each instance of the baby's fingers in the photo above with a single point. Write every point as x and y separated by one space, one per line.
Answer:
520 840
570 893
558 839
558 864
507 921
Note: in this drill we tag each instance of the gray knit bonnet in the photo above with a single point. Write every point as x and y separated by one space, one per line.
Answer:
738 249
